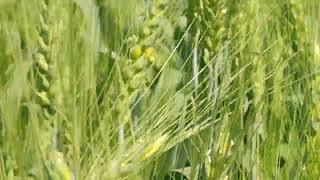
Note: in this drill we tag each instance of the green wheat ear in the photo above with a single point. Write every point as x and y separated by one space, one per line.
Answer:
45 64
137 69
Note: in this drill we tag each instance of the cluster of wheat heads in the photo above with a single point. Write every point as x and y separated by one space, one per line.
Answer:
159 89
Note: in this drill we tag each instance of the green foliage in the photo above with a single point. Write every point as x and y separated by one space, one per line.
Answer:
159 89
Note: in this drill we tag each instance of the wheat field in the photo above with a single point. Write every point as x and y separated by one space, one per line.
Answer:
159 89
